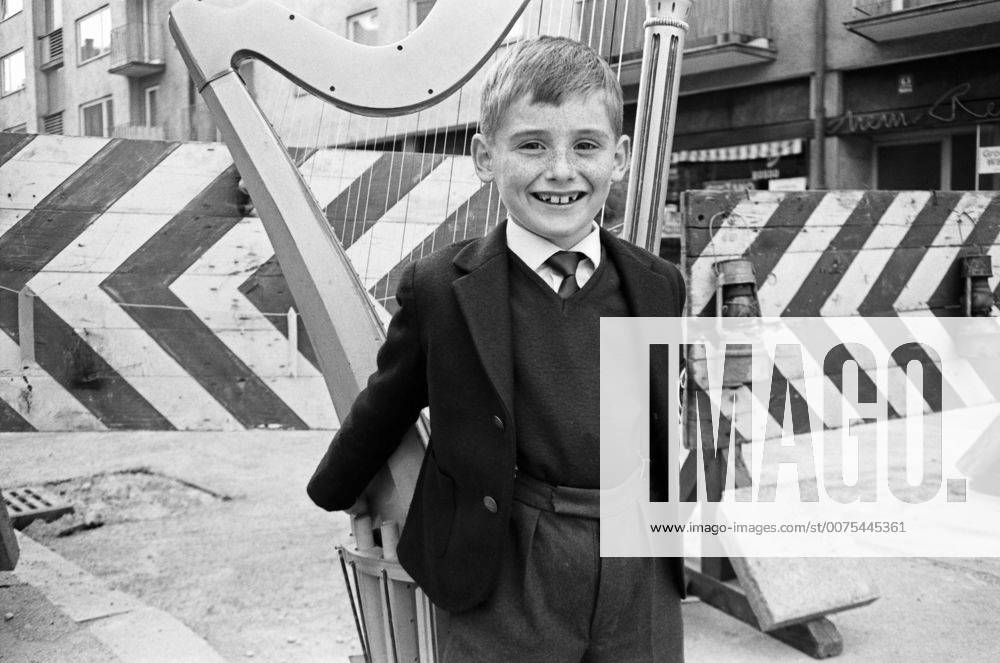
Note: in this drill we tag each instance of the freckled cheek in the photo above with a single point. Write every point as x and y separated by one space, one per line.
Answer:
519 174
598 175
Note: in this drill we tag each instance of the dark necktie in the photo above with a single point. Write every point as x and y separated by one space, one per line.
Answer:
564 263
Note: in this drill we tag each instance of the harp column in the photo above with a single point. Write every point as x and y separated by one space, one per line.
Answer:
659 84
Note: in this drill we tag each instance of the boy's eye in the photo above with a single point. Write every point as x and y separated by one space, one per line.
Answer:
531 145
587 145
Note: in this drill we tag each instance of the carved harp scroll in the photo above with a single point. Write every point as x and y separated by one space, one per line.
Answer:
214 37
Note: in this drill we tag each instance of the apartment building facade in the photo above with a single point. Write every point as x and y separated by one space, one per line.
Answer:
97 68
774 93
110 68
886 94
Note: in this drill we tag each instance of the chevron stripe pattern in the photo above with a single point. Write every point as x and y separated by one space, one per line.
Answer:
841 253
158 305
892 254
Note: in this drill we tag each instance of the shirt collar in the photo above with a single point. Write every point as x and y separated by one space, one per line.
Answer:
534 249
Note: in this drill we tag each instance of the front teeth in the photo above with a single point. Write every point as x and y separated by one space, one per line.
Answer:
558 200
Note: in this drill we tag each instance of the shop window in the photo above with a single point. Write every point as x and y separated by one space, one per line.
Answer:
12 72
945 163
363 28
963 162
10 7
93 35
914 166
97 118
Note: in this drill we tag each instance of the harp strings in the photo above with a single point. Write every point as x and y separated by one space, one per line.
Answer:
419 165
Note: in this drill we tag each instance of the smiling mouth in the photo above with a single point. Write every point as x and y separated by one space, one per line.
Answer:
558 199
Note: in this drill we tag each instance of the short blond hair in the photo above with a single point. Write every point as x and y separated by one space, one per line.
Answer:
546 70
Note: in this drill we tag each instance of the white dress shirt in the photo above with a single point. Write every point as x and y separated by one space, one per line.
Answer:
534 250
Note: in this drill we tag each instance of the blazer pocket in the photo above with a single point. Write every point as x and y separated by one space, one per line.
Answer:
439 508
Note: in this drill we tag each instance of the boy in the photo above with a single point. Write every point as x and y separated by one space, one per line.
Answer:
500 337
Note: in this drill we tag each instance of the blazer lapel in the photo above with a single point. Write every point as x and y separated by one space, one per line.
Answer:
483 294
483 297
648 294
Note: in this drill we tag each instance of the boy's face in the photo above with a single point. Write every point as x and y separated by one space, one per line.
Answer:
553 165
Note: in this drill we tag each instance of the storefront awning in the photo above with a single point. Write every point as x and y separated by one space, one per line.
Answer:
766 150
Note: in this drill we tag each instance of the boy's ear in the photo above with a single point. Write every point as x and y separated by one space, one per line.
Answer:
482 157
623 152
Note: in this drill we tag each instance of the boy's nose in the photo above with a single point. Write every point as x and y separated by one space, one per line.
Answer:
560 166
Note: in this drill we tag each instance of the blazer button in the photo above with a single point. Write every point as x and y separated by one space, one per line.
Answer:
497 422
490 504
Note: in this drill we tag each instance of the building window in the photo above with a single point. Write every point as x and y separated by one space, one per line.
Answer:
10 7
53 15
17 129
150 95
12 72
93 35
363 28
97 118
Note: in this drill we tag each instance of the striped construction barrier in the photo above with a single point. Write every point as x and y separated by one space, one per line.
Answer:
846 253
841 253
156 303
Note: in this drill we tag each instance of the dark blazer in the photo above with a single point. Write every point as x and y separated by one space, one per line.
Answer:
449 346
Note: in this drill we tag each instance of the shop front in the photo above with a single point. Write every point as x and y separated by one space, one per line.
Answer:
930 124
742 138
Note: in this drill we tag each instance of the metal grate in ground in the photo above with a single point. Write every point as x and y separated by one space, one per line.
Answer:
27 504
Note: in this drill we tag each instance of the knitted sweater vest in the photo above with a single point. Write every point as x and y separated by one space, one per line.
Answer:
557 373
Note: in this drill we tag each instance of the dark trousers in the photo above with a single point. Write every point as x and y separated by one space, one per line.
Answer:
557 601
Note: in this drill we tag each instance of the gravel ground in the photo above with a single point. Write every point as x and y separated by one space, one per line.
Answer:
215 529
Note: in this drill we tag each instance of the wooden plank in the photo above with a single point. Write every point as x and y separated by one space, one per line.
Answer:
818 637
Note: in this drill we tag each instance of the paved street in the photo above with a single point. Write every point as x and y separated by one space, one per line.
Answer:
232 560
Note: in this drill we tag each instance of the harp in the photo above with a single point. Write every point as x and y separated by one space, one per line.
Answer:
340 304
415 73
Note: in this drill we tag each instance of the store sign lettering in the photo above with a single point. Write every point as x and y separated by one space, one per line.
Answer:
989 160
765 174
946 109
853 123
949 107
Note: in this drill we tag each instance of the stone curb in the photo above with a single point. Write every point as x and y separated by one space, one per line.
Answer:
134 631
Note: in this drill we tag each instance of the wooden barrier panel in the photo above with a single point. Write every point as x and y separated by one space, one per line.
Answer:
827 254
156 300
841 253
9 551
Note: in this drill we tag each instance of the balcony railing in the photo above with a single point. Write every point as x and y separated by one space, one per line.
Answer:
137 50
138 132
723 34
713 19
190 123
52 50
883 7
888 20
53 123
